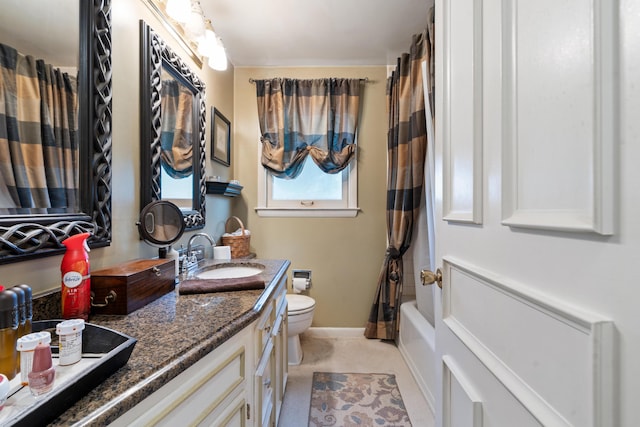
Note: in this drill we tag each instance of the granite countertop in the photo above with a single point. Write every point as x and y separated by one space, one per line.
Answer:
173 332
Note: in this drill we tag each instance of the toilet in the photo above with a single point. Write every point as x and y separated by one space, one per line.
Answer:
300 313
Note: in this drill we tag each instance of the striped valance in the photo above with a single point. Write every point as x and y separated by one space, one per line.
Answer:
318 117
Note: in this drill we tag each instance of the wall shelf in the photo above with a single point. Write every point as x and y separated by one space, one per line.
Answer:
223 188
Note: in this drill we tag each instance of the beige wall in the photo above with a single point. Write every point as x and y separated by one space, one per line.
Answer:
44 274
344 254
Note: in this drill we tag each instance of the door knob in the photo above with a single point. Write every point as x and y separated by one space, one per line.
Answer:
428 277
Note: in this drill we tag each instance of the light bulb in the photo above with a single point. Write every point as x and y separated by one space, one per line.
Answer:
195 25
218 60
179 9
206 43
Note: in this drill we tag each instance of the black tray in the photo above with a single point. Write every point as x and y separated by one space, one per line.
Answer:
113 350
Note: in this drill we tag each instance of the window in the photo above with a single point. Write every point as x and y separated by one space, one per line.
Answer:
312 194
315 120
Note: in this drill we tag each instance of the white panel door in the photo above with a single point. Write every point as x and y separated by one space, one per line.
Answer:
537 212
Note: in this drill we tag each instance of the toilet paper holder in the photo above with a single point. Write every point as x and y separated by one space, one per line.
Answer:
302 275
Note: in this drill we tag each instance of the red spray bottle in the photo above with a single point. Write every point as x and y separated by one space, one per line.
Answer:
76 280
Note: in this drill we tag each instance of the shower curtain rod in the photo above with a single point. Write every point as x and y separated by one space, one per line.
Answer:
362 79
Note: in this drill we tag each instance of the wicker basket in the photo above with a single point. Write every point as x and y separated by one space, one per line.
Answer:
239 244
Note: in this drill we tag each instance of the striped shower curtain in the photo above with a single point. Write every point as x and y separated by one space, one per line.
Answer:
316 117
38 136
406 145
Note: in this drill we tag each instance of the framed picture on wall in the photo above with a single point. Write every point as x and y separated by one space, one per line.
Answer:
220 138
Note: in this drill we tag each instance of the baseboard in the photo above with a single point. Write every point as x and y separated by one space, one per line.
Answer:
318 332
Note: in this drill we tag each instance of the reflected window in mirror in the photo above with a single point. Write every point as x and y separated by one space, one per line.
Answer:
171 143
55 142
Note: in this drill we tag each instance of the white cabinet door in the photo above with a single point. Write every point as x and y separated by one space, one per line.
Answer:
537 106
208 392
280 348
271 358
264 398
234 415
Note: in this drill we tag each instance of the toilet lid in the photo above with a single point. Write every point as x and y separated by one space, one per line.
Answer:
299 303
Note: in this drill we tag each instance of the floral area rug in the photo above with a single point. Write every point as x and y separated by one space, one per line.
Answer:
350 400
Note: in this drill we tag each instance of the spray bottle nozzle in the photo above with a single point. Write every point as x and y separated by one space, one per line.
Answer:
77 242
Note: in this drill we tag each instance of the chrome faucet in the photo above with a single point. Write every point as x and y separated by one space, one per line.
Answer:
191 257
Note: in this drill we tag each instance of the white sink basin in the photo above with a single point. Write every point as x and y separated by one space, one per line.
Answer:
230 271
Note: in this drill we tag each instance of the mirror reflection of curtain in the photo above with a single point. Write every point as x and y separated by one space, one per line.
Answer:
176 139
38 136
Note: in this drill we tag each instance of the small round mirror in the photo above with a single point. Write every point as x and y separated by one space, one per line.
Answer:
161 223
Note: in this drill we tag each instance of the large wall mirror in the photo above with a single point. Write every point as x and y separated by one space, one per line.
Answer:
172 130
68 42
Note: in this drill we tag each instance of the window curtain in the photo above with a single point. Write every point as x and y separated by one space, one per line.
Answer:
317 117
38 136
176 140
406 151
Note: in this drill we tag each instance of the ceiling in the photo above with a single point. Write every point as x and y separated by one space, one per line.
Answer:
50 33
316 32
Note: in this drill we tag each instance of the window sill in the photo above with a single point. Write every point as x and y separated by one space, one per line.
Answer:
308 212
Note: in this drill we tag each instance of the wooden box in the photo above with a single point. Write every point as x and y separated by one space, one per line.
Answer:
127 287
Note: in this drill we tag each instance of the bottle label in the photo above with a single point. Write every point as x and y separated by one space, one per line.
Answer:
72 279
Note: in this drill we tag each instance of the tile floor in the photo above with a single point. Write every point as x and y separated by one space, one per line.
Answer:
325 352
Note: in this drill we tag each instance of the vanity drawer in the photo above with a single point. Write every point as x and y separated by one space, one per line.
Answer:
129 286
264 398
264 328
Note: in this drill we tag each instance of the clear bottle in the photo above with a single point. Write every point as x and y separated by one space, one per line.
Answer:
4 390
26 346
8 331
42 374
175 256
168 252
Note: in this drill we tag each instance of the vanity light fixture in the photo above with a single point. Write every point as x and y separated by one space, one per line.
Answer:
195 25
191 16
218 60
206 41
210 45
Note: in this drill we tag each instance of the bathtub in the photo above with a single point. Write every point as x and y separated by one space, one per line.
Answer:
417 346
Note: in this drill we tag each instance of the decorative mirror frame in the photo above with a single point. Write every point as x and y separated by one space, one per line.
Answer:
154 51
24 237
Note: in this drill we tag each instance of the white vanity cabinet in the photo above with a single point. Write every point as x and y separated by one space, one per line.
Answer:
271 358
213 391
240 383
